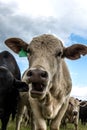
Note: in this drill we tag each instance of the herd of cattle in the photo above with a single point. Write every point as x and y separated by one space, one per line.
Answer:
44 90
76 111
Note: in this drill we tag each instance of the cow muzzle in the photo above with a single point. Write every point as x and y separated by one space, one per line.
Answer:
75 113
38 79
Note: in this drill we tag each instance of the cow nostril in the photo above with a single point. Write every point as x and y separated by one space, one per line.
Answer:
44 74
29 73
37 73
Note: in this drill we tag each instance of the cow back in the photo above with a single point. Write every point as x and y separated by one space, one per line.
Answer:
7 60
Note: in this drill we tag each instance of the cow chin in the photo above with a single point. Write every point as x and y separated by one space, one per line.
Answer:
38 95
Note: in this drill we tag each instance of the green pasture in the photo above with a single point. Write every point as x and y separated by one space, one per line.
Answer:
11 126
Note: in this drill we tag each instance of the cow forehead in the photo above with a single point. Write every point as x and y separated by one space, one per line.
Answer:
77 102
46 41
74 102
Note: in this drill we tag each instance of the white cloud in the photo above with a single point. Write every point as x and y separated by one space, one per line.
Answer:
79 92
33 7
36 8
68 16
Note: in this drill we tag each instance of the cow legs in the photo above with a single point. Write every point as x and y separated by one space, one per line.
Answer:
38 120
76 123
4 122
19 115
76 126
55 124
40 124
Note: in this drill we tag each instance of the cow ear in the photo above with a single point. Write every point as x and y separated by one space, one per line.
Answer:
75 51
16 44
21 86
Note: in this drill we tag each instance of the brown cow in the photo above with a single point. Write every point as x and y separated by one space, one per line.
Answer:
72 113
48 77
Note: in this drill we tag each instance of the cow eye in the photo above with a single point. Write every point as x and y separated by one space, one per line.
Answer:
58 54
70 104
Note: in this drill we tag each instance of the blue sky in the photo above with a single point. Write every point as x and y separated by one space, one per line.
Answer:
65 19
79 66
77 38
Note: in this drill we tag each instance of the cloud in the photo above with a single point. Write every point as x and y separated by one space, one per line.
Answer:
61 21
79 92
15 25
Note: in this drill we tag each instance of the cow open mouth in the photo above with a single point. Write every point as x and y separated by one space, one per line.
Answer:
37 89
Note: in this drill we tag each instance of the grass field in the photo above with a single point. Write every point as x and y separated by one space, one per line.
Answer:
11 126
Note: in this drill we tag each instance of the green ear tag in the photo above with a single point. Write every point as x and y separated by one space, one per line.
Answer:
22 53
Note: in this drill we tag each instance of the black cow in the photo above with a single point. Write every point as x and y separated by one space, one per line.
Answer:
83 112
10 85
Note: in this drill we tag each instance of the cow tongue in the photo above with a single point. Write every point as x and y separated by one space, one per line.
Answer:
37 87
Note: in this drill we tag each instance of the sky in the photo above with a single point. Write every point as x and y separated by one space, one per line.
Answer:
66 19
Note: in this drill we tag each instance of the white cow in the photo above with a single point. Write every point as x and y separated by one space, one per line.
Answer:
47 76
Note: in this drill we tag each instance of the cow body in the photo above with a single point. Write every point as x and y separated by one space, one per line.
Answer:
48 77
22 103
7 60
10 85
83 112
72 113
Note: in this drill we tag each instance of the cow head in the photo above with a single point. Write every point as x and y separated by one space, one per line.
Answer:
45 54
9 83
73 106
